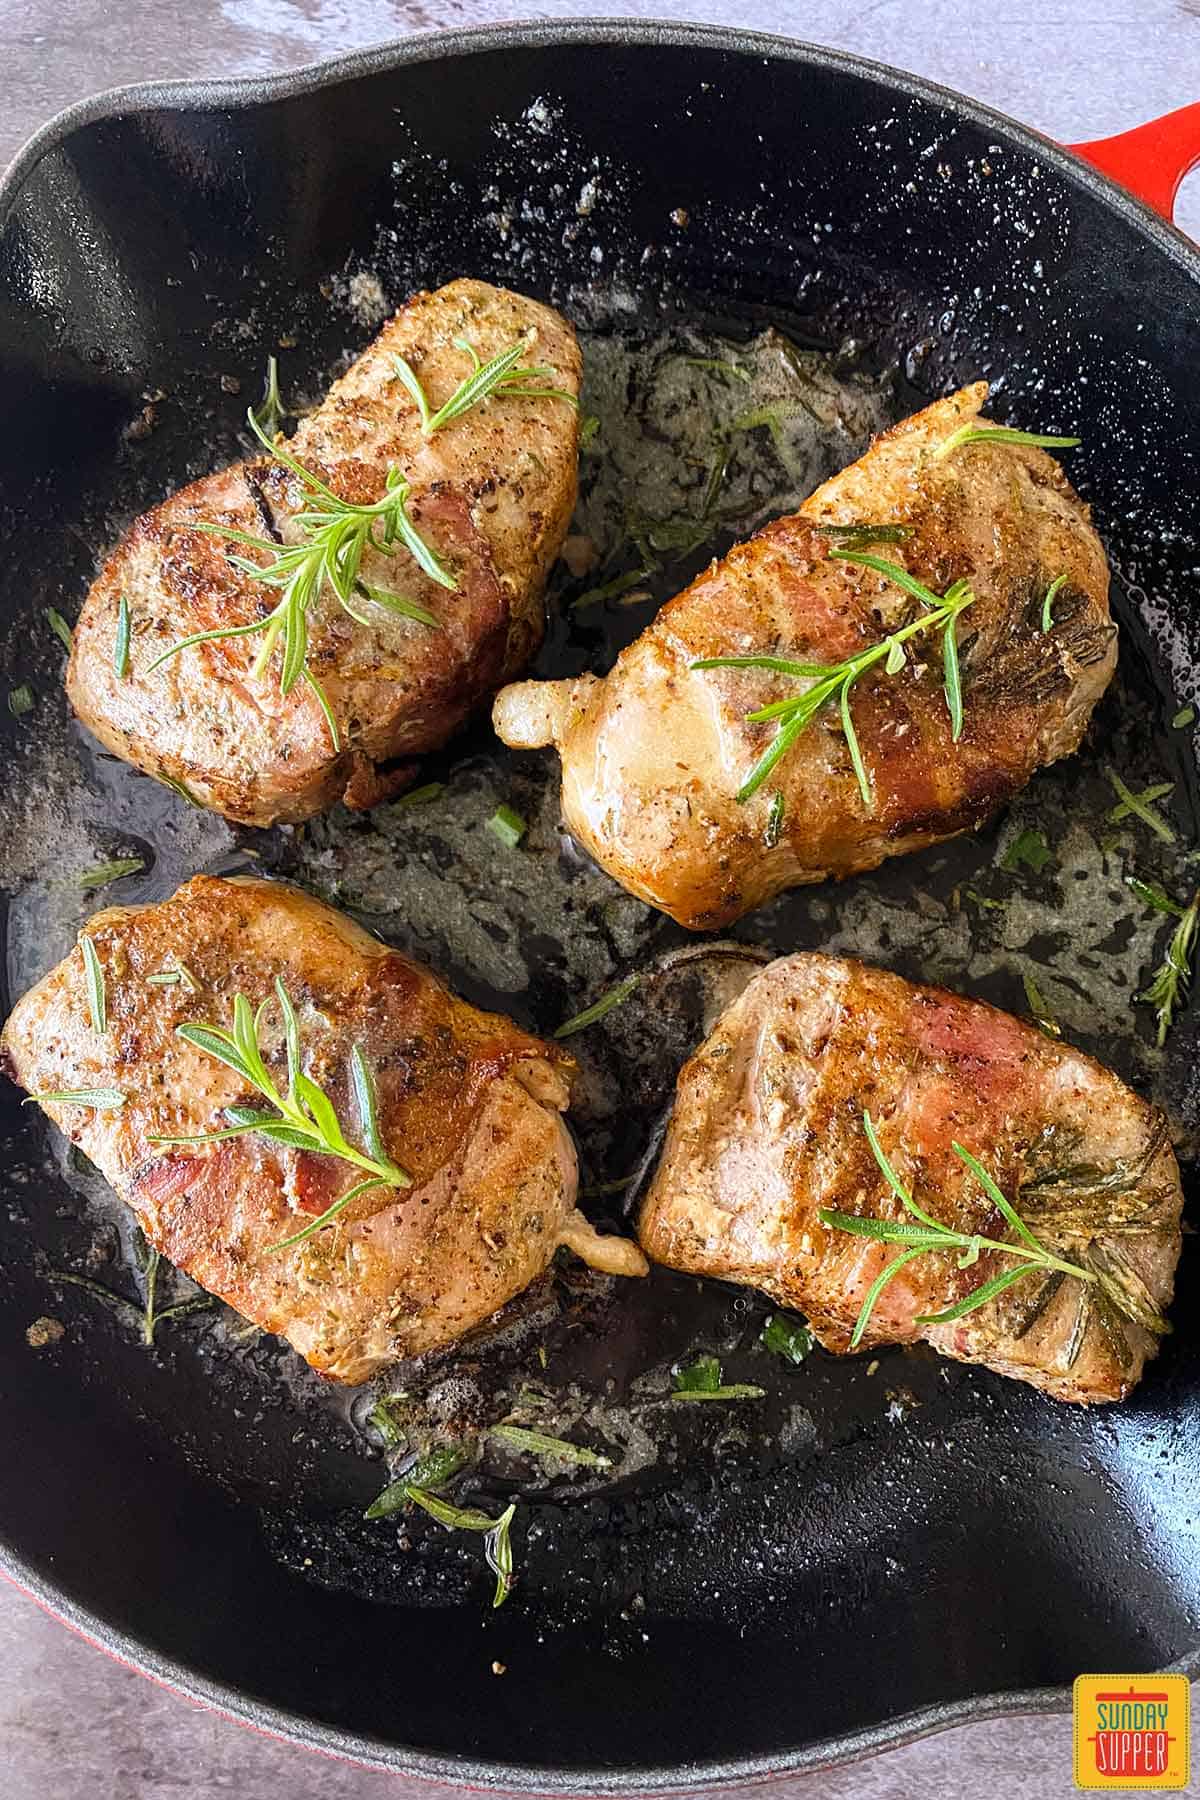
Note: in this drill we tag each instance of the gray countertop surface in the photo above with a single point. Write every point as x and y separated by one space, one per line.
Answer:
74 1725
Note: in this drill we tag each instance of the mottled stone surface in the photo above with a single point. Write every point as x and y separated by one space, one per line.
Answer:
74 1725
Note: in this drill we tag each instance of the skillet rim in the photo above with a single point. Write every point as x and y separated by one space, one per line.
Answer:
228 92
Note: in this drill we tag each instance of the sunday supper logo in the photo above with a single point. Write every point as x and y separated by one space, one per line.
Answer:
1132 1731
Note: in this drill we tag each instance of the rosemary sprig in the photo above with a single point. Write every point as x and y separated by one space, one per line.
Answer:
1000 434
94 978
1052 593
1140 806
834 681
501 374
927 1233
335 535
304 1116
497 1545
1171 980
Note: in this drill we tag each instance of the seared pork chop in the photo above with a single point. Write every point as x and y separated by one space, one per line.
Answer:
491 494
768 1129
655 756
468 1106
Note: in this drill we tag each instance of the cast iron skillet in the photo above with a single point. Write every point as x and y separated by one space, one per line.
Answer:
192 1512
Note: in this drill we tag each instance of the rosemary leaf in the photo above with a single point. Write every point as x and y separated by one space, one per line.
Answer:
121 646
58 626
1042 1017
1000 434
1184 717
98 1099
1052 593
270 412
20 700
552 1449
774 826
103 873
417 796
605 1004
94 977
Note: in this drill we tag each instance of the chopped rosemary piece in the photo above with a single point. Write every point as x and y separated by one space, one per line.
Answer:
1029 849
501 374
988 904
834 681
551 1448
702 1381
1169 985
1052 593
611 590
121 647
787 1337
720 365
923 1233
508 826
99 1099
433 1470
605 1004
587 430
1039 1010
103 873
1155 896
20 700
418 795
1185 716
1000 434
164 978
270 412
184 792
304 1117
1140 806
94 977
335 535
58 626
774 826
380 1416
862 536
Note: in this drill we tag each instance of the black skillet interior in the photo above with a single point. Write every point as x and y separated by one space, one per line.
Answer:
916 1539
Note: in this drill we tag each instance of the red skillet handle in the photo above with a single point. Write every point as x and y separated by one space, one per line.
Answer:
1151 160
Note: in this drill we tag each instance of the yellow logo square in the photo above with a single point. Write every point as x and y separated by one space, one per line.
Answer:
1132 1731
